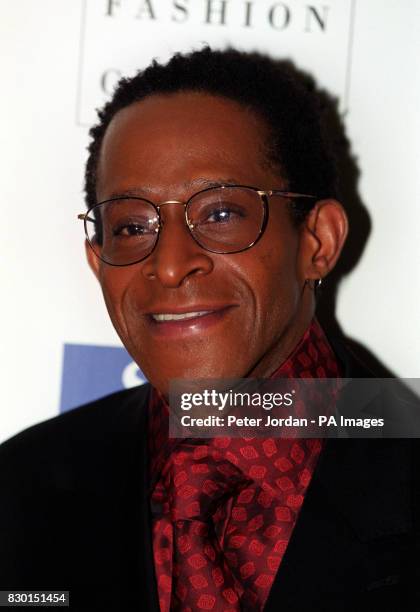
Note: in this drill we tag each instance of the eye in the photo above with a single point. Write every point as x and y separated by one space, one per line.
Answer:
132 229
222 214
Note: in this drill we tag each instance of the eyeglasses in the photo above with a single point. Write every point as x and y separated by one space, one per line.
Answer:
225 219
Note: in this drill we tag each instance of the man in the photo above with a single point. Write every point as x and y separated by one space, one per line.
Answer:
211 219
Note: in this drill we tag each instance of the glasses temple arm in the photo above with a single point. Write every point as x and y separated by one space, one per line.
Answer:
84 217
290 194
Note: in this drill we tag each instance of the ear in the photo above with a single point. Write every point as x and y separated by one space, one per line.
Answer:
93 261
323 236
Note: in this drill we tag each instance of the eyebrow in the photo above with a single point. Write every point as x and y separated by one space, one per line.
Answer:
199 183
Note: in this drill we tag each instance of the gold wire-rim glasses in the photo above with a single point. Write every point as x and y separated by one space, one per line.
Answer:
264 195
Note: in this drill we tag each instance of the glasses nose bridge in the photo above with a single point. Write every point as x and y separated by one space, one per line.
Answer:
159 206
184 204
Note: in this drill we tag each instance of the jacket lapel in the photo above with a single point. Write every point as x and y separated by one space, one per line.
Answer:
136 529
112 484
357 498
353 528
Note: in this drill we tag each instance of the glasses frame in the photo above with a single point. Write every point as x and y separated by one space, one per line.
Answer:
264 195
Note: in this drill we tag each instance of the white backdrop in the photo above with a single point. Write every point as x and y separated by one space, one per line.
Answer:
56 57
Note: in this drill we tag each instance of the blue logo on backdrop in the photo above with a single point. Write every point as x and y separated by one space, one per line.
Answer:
90 372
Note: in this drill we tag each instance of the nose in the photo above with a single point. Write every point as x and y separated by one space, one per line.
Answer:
176 255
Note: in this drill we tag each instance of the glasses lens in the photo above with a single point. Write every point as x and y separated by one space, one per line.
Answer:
226 220
123 231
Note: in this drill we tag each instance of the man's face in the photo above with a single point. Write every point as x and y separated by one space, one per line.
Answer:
168 148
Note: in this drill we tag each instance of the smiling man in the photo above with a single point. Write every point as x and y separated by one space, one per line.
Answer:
251 307
212 216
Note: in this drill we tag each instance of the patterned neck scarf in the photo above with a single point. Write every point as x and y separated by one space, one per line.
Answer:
224 509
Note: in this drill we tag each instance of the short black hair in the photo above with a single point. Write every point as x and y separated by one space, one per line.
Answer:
285 98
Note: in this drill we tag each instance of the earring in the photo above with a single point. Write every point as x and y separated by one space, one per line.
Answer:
314 284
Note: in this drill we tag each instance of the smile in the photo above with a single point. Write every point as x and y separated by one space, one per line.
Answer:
181 316
178 325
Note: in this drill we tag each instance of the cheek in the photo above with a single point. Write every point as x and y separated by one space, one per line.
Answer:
115 283
276 284
277 296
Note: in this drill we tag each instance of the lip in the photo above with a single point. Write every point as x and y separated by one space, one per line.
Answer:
187 327
199 307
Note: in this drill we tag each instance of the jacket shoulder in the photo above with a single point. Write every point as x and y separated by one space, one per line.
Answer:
71 487
84 424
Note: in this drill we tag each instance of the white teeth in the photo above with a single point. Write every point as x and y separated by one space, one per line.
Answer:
179 317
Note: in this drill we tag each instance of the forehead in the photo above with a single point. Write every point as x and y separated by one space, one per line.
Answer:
174 138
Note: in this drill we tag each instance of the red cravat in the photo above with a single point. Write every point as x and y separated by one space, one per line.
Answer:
224 509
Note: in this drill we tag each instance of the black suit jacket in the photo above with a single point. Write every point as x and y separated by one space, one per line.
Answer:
74 515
